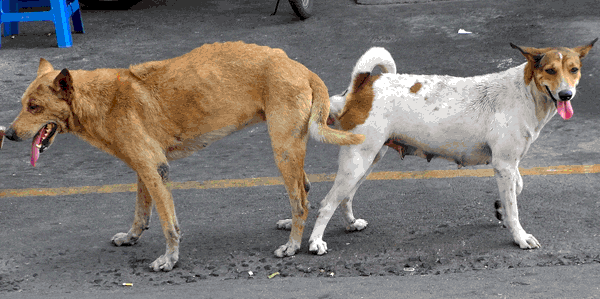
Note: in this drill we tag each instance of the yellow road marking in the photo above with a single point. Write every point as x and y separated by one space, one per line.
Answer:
315 178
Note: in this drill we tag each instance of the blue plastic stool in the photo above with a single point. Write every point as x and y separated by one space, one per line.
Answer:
60 12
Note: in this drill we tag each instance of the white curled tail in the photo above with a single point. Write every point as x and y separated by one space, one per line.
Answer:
375 56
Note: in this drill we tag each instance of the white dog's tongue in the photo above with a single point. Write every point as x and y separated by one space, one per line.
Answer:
35 150
564 109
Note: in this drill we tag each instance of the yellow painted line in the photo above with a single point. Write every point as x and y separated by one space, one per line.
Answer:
315 178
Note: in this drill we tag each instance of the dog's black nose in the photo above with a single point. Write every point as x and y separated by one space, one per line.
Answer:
565 95
11 135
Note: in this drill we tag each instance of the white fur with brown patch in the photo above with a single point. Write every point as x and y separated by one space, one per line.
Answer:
492 118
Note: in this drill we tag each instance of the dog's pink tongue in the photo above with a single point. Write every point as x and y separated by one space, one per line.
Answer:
564 109
35 150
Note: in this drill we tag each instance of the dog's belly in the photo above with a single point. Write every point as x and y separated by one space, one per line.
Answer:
455 138
189 142
463 153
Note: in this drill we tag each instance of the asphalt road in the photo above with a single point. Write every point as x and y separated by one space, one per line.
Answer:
442 228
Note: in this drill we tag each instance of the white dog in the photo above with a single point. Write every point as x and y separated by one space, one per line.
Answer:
485 119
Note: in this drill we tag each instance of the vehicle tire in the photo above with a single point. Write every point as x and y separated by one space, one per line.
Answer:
302 8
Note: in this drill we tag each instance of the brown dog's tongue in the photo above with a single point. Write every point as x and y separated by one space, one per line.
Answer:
35 150
564 109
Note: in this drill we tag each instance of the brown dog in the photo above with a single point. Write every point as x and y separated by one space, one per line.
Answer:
164 110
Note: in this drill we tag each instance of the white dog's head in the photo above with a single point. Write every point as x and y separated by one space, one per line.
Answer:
336 107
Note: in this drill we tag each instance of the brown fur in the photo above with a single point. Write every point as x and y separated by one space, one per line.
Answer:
162 110
415 88
359 102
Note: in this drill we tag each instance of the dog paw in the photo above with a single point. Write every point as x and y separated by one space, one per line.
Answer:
289 249
123 239
165 263
318 247
285 224
527 241
358 224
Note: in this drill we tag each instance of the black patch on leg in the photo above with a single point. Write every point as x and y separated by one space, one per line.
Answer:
429 157
163 171
306 185
498 206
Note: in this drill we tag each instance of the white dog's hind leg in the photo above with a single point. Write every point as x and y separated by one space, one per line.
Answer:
353 224
509 179
354 162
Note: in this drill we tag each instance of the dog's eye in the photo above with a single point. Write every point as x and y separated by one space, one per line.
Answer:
574 70
551 71
33 108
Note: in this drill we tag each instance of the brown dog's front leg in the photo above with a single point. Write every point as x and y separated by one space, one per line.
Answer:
152 188
141 220
155 180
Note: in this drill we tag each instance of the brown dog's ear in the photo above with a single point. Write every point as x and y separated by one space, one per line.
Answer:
44 67
583 50
63 84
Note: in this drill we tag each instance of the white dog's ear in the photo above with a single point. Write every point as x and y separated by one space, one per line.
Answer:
44 67
533 55
583 50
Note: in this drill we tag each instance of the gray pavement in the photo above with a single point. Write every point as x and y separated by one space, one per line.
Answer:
563 211
550 282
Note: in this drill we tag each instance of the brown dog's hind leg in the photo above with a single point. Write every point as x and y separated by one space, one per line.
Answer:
141 219
294 184
286 224
289 135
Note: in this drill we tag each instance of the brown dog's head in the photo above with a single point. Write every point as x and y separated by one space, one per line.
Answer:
45 110
555 72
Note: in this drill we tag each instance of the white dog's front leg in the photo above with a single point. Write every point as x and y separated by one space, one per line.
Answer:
510 183
519 182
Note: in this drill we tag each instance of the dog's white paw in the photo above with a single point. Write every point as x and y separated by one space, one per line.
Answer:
527 241
165 262
359 224
289 249
284 224
123 239
318 247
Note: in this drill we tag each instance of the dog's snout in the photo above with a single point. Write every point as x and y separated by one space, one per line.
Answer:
565 95
12 135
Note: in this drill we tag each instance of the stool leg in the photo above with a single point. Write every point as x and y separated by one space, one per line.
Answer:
61 23
10 28
77 21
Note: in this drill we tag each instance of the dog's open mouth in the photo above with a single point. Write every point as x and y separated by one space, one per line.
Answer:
42 141
564 108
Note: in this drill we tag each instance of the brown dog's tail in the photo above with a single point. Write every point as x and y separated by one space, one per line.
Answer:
318 118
